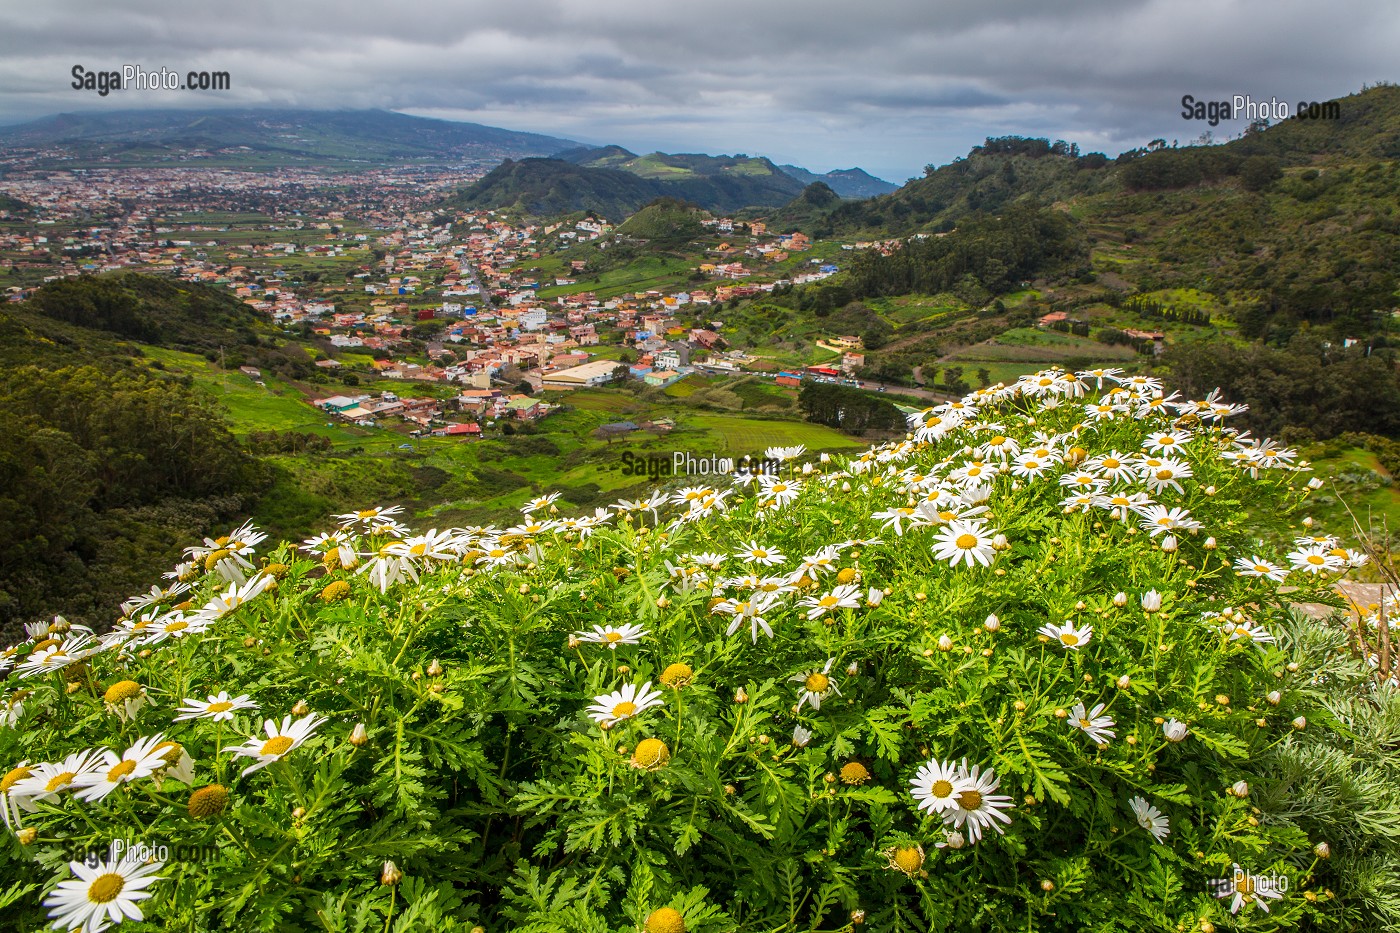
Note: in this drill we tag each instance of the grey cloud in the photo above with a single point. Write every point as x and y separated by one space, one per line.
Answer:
887 85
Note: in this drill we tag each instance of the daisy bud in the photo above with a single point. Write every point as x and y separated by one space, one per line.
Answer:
574 642
1315 483
1080 606
992 623
945 643
955 840
301 709
1019 706
1124 681
1207 927
845 486
390 874
358 736
857 917
1210 490
1169 544
1174 730
1240 789
298 813
435 669
1222 699
1061 713
1292 667
1210 544
853 668
825 458
624 669
1132 740
1274 697
1120 599
875 596
1047 885
1300 723
1000 543
741 695
1308 522
1151 601
27 835
662 602
1322 850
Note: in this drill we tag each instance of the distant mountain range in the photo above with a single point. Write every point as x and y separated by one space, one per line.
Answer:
268 138
615 182
846 182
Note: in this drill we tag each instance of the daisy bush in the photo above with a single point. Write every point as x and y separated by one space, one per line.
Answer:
1033 666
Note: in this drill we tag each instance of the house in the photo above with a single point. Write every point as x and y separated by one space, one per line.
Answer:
847 342
850 362
789 379
469 429
524 408
661 377
596 373
252 372
337 403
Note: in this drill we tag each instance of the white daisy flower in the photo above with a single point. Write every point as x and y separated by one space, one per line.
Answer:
746 610
1150 818
279 742
46 781
613 635
1315 559
99 896
139 761
975 807
843 597
967 541
1068 635
219 708
755 553
937 784
1097 727
817 685
631 700
1257 566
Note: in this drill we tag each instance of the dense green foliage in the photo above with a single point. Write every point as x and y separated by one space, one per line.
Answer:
101 472
1307 387
150 309
997 253
665 223
848 409
448 769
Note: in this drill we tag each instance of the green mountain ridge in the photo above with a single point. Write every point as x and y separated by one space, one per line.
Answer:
262 137
616 183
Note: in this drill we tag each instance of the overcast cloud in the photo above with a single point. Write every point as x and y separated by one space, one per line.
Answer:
885 85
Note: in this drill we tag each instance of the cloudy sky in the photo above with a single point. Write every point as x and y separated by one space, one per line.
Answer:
885 85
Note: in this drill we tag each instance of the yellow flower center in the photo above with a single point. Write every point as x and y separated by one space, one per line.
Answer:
998 440
816 682
59 781
624 709
277 745
13 777
966 541
178 625
170 751
970 799
1164 474
105 888
941 789
1316 559
121 769
1069 638
122 690
1260 568
908 860
222 706
418 550
1084 723
612 637
1110 463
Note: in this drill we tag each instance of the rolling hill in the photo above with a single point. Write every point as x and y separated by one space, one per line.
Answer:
615 182
265 138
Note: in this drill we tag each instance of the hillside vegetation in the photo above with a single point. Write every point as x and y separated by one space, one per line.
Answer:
943 683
